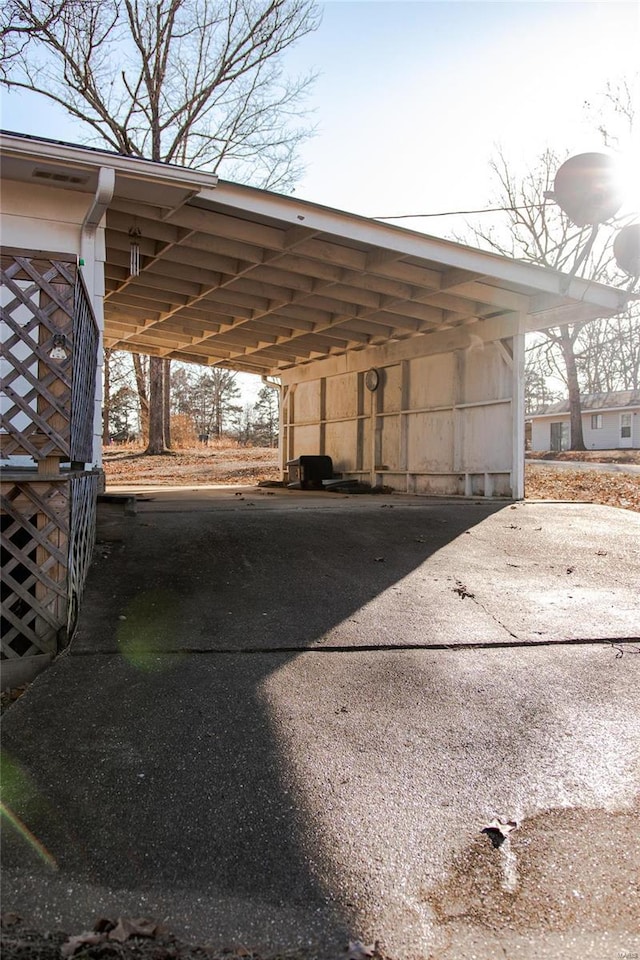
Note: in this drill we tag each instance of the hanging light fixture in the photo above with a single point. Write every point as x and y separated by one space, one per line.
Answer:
134 251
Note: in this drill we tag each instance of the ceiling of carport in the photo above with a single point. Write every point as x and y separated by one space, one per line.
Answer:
223 283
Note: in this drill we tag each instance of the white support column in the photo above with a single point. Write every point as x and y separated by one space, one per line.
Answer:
458 417
517 414
283 437
403 438
373 437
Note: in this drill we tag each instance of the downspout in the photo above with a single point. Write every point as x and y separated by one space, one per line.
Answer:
92 259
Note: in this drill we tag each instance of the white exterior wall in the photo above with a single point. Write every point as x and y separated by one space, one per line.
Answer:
444 419
541 433
605 438
45 218
37 217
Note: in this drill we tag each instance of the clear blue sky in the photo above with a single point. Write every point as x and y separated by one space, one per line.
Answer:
414 97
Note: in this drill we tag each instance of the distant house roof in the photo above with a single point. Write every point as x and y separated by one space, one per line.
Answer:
613 400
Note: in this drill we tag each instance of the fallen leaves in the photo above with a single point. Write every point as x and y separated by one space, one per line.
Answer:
462 591
610 489
104 930
7 697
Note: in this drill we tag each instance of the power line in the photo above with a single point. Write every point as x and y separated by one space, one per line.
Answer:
455 213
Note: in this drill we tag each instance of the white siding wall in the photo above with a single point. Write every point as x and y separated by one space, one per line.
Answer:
36 217
605 438
541 435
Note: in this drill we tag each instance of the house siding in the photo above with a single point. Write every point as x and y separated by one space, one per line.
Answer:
606 438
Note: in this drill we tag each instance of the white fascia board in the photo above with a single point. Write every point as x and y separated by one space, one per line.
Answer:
573 312
91 159
405 242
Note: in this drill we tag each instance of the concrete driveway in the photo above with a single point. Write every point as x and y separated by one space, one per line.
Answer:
286 719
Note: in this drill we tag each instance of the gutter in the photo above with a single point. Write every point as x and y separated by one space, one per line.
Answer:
102 199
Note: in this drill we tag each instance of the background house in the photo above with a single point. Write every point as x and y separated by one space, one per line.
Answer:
610 421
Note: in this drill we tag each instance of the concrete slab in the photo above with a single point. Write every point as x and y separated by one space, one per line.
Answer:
235 570
296 801
234 743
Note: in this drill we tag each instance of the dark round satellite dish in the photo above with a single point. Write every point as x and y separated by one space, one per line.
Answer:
585 188
626 249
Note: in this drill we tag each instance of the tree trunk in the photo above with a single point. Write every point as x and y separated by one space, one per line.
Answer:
143 396
166 402
106 401
156 444
575 404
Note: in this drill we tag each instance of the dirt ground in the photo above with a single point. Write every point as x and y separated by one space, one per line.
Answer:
233 464
219 463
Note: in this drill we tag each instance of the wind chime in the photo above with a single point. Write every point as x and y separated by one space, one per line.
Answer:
134 251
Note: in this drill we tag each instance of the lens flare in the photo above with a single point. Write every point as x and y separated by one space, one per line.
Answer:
27 835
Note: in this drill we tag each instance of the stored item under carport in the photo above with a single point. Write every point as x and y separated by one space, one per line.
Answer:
307 472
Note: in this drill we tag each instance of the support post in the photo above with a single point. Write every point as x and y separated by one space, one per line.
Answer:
517 414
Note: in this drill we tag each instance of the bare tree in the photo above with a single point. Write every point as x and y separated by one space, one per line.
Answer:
539 232
208 396
537 393
141 369
267 415
117 380
193 82
166 402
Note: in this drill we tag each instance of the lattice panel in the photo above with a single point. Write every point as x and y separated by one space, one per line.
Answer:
84 493
37 342
34 544
83 389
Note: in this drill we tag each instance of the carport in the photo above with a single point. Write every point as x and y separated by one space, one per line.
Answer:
323 767
399 355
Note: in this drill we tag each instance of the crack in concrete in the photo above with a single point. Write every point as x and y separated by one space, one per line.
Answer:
495 619
379 648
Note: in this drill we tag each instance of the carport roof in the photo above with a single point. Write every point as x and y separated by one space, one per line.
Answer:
259 282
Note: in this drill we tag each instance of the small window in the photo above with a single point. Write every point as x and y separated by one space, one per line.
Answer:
596 421
625 426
